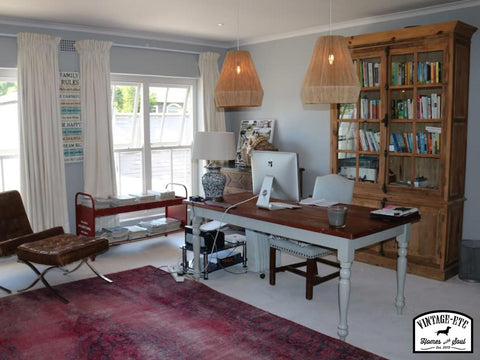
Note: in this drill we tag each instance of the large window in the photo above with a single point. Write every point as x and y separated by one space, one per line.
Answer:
152 133
9 135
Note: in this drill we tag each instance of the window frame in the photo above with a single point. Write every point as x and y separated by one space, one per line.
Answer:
146 148
11 75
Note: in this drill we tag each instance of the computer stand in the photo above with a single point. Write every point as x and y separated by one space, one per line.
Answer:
263 201
265 191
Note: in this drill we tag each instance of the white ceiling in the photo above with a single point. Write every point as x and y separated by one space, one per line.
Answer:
248 20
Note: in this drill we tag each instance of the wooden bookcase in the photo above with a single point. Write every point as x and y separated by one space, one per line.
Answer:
404 141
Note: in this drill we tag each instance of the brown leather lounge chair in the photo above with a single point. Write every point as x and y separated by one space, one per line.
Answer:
15 228
49 247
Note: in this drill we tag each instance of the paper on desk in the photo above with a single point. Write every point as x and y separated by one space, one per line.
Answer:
212 225
321 202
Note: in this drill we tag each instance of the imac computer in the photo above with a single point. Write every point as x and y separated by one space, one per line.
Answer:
275 174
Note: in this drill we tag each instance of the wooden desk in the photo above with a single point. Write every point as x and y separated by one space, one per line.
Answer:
310 224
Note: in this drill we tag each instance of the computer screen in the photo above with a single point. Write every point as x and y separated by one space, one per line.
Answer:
283 166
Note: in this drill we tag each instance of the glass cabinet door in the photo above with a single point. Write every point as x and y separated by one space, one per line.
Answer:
393 135
415 119
358 125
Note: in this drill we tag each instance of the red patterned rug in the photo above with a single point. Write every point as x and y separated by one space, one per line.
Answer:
145 314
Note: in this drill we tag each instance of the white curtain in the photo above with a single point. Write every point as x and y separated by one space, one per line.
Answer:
41 147
214 118
98 159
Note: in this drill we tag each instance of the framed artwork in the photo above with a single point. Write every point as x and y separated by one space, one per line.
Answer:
249 128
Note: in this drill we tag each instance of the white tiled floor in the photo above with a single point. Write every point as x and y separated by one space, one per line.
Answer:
373 323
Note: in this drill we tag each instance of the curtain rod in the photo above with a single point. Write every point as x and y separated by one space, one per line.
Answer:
146 47
8 35
143 47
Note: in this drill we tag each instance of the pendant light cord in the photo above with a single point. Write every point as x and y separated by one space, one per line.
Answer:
238 25
330 27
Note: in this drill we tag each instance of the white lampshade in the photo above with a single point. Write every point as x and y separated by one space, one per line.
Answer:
214 146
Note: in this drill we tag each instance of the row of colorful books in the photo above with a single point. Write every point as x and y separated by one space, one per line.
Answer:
402 109
369 74
426 142
428 72
402 73
429 106
369 140
369 108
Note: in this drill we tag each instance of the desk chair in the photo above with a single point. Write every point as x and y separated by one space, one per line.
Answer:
330 187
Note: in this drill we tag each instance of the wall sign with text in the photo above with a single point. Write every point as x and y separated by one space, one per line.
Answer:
71 116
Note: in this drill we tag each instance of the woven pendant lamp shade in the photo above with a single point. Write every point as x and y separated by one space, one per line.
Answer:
238 84
329 83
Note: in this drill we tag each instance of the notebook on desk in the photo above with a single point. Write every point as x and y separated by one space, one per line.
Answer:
319 202
394 212
279 205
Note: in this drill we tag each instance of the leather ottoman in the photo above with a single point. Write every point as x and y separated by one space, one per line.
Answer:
59 251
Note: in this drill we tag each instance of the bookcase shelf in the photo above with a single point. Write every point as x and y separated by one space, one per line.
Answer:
417 115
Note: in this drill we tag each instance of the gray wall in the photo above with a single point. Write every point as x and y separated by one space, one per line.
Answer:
281 66
183 62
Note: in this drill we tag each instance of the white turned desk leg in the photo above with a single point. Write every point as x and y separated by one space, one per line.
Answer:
345 257
196 246
343 299
402 241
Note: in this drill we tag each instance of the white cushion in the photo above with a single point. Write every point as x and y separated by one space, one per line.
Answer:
298 248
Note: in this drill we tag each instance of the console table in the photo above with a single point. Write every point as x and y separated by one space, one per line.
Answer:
310 224
86 213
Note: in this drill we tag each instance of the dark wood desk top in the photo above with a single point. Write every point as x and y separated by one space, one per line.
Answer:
312 218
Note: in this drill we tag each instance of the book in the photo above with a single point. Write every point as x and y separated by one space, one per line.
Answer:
123 200
370 74
394 212
142 197
136 232
115 233
162 195
319 202
392 146
363 140
376 76
370 140
401 142
396 142
161 225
